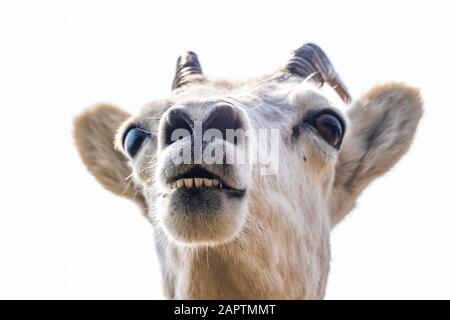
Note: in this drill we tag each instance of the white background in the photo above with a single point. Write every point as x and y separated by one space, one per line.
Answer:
63 236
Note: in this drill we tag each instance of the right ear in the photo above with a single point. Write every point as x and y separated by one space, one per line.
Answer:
94 132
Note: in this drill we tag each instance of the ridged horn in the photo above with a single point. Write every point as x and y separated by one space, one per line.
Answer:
311 61
188 70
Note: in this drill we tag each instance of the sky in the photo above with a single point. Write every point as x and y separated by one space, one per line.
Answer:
63 236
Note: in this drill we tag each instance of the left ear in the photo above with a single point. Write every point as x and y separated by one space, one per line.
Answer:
94 132
382 125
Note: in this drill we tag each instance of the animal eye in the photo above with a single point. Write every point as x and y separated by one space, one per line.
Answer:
134 138
330 128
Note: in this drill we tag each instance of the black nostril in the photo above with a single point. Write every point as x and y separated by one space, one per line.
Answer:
177 119
223 118
180 124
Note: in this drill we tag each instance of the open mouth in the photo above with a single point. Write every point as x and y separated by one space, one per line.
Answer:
201 206
198 177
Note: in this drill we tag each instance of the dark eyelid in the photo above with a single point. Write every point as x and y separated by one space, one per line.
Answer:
133 126
312 115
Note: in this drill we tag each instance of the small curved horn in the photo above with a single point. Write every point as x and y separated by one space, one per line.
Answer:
188 70
311 61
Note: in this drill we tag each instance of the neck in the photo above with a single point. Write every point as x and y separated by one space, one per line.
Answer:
268 260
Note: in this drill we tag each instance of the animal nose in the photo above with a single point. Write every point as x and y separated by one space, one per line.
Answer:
220 117
223 118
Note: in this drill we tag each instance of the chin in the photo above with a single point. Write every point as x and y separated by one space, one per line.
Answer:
203 216
200 208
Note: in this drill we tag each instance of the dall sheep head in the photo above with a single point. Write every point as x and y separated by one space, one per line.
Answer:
257 171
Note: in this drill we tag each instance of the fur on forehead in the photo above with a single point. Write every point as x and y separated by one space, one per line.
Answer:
309 96
248 95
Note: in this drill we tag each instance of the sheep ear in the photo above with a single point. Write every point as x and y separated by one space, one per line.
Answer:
94 132
382 124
